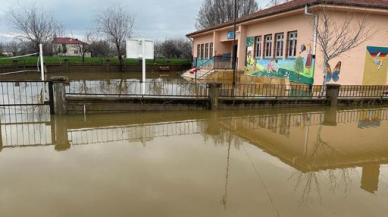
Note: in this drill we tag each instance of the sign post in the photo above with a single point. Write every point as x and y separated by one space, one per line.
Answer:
144 49
41 61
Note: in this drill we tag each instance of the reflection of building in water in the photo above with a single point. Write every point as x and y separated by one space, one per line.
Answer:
310 146
310 142
370 119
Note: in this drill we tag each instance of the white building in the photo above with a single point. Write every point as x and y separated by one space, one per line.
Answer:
66 46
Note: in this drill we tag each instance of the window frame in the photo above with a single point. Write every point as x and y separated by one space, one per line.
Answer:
276 45
292 48
259 47
211 49
266 49
202 51
207 51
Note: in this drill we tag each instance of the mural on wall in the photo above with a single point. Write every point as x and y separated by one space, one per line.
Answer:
376 66
333 75
298 70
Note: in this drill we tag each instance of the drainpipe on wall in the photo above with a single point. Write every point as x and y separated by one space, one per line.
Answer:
315 28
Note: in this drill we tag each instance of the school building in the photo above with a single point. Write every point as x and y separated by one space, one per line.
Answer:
281 42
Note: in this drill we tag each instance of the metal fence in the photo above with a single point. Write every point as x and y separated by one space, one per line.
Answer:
186 89
363 91
272 91
24 93
137 88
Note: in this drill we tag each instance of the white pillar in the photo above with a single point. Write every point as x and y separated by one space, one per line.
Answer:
41 61
143 66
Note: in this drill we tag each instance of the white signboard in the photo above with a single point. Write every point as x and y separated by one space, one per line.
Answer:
135 49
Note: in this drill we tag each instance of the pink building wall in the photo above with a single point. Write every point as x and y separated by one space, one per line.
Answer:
353 61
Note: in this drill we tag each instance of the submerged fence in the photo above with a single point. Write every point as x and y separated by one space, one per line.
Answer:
54 94
23 93
136 88
186 89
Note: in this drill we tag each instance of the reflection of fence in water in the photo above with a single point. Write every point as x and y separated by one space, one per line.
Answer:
350 116
133 133
26 129
282 123
25 126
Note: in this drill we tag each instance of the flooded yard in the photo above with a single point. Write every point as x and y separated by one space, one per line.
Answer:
263 162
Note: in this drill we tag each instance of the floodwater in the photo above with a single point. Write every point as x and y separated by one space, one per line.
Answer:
286 162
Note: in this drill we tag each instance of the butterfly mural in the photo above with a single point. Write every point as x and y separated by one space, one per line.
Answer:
333 75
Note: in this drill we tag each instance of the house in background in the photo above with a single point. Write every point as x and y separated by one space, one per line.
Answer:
66 46
280 43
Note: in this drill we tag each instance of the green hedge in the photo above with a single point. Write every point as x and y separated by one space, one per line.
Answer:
91 60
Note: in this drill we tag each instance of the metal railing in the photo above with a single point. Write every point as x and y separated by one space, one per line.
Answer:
223 62
23 93
137 88
272 91
186 89
363 91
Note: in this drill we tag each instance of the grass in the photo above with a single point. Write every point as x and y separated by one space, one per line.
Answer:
90 60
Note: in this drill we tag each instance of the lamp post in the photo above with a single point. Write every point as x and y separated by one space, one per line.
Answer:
234 51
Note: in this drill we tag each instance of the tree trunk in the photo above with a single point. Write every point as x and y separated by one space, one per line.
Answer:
121 62
325 64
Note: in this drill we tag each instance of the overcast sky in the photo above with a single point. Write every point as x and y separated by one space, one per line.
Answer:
155 19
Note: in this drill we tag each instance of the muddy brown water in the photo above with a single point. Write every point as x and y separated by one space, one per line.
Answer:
265 162
93 76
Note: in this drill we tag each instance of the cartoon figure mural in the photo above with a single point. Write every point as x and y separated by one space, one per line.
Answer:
298 70
376 66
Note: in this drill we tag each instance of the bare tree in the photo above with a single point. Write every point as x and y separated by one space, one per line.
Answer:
35 26
84 45
337 37
174 48
100 48
117 25
213 12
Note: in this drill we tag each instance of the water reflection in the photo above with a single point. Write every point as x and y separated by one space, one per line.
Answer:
326 149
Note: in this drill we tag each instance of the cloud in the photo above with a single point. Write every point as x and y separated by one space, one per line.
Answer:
155 19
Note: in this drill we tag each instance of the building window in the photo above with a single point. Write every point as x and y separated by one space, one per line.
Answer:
291 44
211 50
202 51
258 47
268 46
198 51
206 51
279 45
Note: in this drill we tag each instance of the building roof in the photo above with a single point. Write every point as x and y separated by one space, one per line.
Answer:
298 4
66 40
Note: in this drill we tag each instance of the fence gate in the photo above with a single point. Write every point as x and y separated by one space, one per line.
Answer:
24 93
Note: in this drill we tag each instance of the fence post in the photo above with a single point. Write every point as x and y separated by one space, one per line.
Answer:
214 93
107 65
57 93
332 93
59 133
67 67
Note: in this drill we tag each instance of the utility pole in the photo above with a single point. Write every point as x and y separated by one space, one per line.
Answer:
234 51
